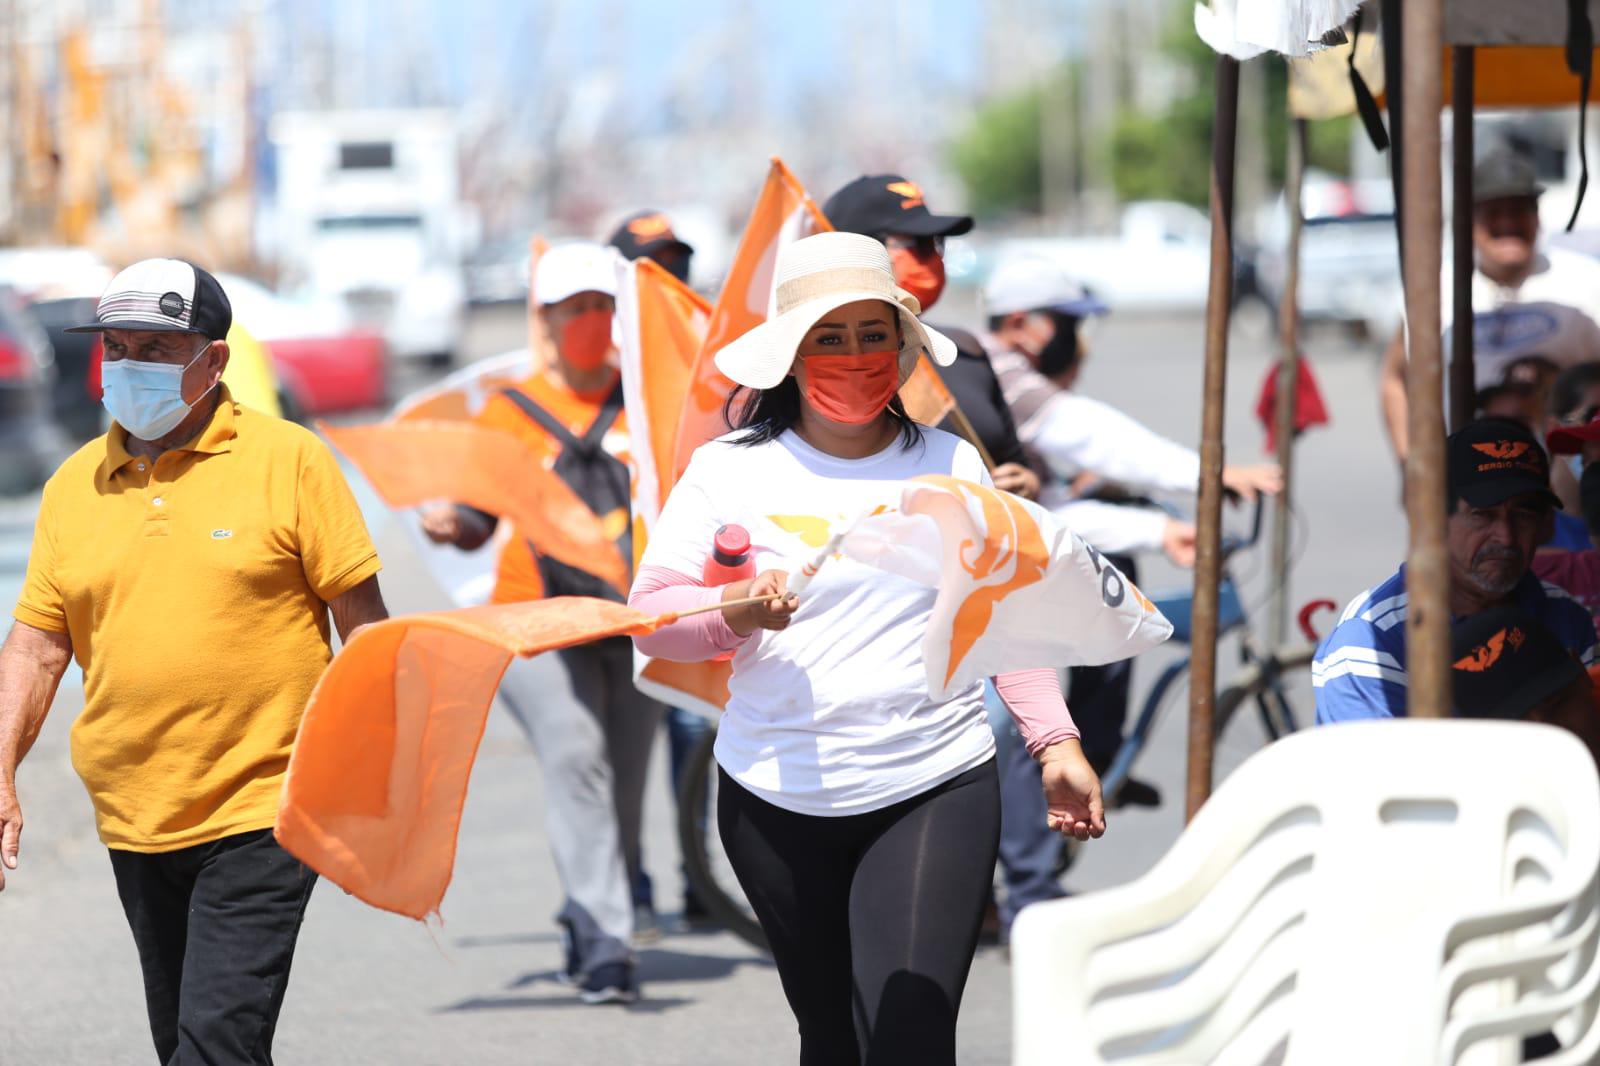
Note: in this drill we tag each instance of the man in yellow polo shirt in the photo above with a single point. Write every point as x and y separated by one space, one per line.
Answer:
189 559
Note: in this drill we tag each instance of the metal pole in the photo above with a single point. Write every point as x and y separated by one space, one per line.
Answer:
1208 558
1463 383
1288 378
1427 565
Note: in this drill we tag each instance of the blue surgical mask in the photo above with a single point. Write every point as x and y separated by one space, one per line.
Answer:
1575 464
146 399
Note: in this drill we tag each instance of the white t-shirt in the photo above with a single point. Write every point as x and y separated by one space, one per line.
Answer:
1553 313
830 716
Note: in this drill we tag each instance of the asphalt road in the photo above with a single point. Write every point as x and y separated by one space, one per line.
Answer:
373 988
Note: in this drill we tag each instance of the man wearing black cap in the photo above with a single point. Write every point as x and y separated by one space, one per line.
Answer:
1526 300
189 559
1501 509
648 235
890 209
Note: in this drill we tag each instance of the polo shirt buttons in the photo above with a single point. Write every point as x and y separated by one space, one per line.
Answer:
141 466
156 501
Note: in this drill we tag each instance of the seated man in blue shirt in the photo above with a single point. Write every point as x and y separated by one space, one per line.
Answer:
1501 509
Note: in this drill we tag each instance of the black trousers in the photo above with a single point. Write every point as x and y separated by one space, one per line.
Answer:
216 926
872 918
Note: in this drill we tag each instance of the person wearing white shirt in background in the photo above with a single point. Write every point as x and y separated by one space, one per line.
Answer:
1526 300
1036 313
860 814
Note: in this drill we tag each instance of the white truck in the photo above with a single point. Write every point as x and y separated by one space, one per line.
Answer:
368 211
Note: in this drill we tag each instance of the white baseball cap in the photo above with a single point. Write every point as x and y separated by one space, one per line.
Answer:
568 269
162 296
813 276
1034 282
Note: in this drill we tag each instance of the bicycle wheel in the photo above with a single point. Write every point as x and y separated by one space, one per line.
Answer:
1263 683
704 861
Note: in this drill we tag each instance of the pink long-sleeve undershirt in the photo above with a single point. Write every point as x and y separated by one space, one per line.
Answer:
658 590
1032 696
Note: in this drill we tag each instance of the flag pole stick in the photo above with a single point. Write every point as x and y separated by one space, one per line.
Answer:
971 434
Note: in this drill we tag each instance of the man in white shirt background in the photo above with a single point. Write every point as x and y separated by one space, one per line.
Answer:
1036 344
1527 299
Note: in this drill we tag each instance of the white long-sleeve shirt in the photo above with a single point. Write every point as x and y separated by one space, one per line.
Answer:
1077 435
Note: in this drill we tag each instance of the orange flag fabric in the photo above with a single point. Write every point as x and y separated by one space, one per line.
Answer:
412 462
378 777
927 398
461 395
662 326
784 212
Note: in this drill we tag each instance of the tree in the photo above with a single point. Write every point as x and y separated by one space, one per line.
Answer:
1162 155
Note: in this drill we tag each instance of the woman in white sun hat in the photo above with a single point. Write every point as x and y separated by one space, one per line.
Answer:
860 816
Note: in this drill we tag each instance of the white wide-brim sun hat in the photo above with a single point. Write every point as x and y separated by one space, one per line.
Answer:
812 277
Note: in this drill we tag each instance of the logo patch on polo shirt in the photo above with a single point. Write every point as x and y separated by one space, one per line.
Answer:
221 534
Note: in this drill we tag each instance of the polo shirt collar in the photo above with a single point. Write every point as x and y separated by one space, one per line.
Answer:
216 438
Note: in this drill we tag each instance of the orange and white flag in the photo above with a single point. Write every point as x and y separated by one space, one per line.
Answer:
784 212
1017 589
661 327
378 776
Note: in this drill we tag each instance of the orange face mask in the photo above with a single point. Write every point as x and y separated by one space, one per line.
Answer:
920 275
851 389
586 338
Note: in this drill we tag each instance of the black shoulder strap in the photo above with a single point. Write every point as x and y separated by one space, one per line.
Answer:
604 418
547 421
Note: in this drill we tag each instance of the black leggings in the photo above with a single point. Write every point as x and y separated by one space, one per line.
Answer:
873 918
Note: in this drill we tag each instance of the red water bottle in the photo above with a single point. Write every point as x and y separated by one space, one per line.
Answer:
730 560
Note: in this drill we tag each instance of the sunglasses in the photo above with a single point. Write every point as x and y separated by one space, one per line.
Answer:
922 246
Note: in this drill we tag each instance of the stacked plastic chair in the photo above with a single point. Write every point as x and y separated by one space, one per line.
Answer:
1414 893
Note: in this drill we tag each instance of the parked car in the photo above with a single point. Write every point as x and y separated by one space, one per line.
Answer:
59 285
324 363
75 393
52 271
1159 260
30 444
1349 256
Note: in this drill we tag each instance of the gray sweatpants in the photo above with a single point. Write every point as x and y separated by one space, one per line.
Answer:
592 731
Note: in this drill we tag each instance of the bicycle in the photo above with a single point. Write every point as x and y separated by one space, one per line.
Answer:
1261 681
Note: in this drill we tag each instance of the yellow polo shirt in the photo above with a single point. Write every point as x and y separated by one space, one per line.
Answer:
194 589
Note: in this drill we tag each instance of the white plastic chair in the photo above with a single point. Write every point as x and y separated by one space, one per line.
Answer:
1414 893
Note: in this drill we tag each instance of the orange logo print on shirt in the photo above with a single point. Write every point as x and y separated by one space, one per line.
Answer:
909 192
1502 449
1488 653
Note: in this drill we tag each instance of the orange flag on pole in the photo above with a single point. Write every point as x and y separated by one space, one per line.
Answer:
784 212
378 777
662 325
412 462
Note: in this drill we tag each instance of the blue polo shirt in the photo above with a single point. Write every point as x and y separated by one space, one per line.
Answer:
1360 669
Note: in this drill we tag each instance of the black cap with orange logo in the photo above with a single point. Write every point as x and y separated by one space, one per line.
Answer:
876 204
647 233
1492 460
1504 663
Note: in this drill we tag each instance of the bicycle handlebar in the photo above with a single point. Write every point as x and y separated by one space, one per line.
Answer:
1233 545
